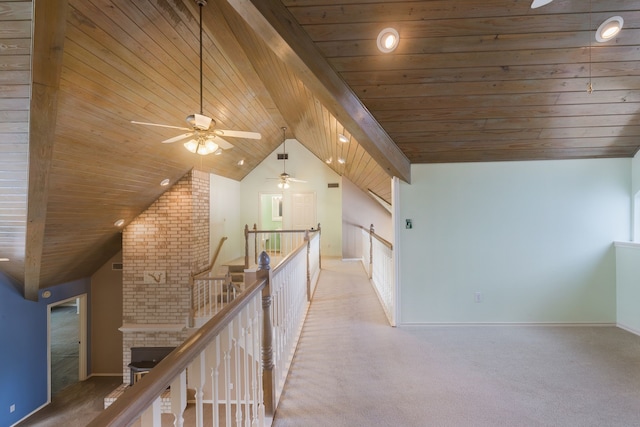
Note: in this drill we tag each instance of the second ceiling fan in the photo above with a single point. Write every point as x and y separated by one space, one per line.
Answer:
202 136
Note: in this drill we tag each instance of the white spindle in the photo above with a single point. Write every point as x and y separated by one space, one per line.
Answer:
152 416
179 398
196 376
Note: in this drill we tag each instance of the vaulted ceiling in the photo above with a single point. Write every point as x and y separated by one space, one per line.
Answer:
480 80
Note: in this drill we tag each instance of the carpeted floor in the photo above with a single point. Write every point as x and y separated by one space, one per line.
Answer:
352 369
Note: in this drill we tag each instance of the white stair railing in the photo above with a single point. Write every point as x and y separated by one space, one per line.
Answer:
276 243
377 259
238 361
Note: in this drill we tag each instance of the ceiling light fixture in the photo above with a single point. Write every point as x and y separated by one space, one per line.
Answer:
343 138
119 223
201 146
341 161
609 29
329 160
4 259
539 3
241 162
165 182
388 40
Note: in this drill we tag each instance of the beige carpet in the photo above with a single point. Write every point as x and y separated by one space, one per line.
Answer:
352 369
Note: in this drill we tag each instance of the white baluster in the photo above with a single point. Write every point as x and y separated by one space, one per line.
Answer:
213 365
196 373
152 416
179 398
227 340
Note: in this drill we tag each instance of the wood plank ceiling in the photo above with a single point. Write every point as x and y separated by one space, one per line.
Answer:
483 80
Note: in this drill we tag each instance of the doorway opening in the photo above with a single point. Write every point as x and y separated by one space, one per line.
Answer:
66 341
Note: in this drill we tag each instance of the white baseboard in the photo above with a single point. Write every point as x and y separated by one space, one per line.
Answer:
567 324
31 413
119 374
629 329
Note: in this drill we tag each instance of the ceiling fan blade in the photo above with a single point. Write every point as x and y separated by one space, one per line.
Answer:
178 138
238 134
158 125
296 180
225 145
202 122
539 3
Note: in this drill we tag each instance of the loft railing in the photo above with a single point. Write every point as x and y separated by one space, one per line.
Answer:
277 243
238 361
377 259
209 294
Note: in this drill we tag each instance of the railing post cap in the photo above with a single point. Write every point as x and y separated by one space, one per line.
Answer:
263 261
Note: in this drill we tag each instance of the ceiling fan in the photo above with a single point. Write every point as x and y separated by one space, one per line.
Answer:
539 3
285 179
203 137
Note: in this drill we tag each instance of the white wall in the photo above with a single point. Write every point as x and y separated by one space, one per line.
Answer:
225 219
359 208
534 238
302 164
635 197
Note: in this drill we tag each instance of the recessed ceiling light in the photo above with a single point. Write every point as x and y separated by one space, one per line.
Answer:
343 138
609 29
4 259
388 40
165 182
329 160
240 162
341 160
119 223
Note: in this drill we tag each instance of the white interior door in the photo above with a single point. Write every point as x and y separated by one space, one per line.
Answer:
303 212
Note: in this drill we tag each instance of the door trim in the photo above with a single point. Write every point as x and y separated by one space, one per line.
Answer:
82 332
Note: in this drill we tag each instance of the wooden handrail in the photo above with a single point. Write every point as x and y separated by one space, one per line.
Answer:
376 236
208 268
286 259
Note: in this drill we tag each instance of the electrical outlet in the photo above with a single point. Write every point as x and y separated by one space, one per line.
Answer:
478 297
12 408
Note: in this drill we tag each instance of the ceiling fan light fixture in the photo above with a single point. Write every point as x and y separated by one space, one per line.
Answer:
388 40
191 145
609 29
283 185
539 3
210 146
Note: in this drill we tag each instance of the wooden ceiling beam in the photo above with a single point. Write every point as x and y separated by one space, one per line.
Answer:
50 19
278 28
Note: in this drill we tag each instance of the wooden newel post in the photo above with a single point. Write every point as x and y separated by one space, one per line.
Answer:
371 232
306 239
255 243
268 383
319 247
246 246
